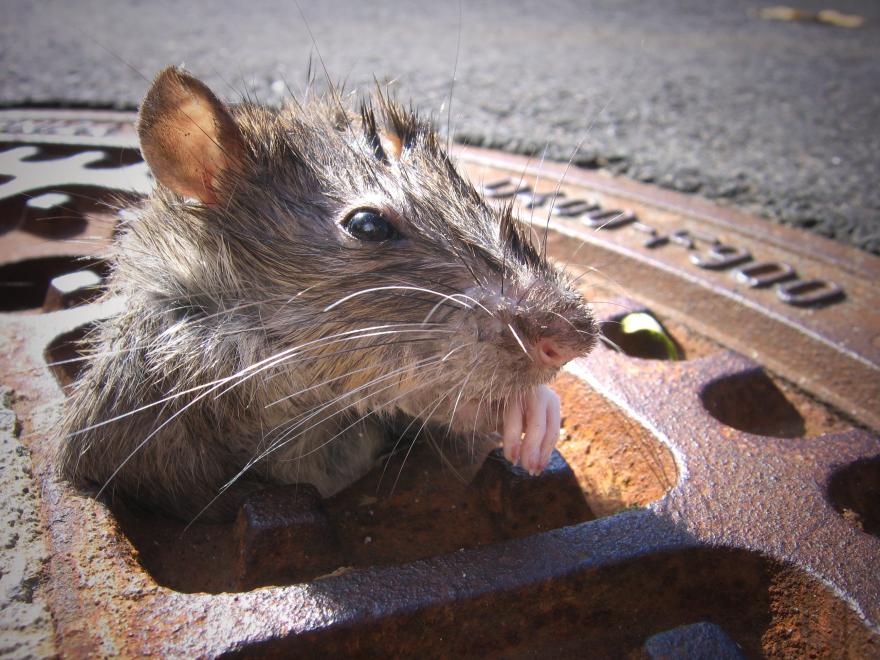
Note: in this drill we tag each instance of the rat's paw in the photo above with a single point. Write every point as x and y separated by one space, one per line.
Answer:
531 429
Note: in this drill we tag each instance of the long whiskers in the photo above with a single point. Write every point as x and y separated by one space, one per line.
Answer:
519 341
452 298
242 375
275 447
287 437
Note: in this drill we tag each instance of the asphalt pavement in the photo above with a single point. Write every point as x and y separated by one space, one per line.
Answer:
778 117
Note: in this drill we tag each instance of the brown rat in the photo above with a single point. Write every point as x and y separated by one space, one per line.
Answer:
298 278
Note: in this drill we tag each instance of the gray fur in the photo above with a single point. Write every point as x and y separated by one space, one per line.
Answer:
214 289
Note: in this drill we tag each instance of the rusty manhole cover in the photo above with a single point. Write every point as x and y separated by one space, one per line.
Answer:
726 501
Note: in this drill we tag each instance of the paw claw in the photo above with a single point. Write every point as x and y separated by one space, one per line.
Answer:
531 429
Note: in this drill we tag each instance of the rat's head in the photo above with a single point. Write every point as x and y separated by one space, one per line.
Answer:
352 236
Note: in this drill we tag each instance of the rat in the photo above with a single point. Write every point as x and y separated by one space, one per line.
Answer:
300 278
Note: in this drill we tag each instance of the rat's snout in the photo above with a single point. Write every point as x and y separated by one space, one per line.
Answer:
549 326
554 354
553 340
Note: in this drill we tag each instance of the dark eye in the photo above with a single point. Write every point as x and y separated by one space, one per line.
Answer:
370 225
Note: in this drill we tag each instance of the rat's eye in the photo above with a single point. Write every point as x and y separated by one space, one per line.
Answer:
370 225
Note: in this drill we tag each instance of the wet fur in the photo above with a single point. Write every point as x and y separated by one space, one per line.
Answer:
213 289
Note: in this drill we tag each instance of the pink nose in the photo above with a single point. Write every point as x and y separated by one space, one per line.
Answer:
552 354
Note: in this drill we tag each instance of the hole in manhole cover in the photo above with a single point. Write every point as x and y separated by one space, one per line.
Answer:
641 335
753 403
63 356
26 283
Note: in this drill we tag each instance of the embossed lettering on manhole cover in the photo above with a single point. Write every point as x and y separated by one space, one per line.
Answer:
693 484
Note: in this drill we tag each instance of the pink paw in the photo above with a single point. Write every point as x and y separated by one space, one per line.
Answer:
531 428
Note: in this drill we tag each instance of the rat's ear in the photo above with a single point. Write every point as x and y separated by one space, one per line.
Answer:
391 143
187 136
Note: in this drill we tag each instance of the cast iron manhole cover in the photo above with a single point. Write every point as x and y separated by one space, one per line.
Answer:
723 503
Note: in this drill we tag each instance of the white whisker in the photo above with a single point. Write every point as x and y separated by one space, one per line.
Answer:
519 341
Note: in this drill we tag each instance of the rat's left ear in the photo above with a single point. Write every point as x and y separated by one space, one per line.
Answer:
188 137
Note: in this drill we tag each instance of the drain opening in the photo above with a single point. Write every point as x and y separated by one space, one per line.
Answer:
64 357
24 284
53 215
639 334
115 158
752 402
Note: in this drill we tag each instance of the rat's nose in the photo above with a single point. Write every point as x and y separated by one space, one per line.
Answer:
554 354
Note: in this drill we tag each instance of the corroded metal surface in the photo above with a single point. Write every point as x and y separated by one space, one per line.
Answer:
767 494
764 532
281 532
524 505
699 640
